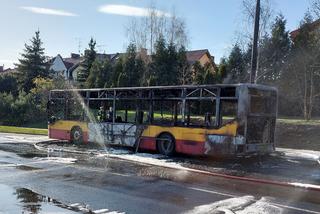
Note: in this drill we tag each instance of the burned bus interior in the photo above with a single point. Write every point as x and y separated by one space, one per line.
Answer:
192 106
208 106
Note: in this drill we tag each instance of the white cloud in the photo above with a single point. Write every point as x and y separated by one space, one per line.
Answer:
125 10
48 11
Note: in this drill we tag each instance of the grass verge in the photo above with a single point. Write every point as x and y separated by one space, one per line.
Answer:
23 130
298 122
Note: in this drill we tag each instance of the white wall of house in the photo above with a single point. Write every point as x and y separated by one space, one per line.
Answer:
58 67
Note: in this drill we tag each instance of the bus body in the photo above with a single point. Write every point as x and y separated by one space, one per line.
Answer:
214 120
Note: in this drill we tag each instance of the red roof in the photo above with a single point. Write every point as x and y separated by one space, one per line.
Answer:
313 25
195 55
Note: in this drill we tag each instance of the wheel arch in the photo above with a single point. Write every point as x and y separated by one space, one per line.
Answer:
165 133
73 128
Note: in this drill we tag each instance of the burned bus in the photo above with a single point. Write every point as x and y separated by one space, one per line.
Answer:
214 120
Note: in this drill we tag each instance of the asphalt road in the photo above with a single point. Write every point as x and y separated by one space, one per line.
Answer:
32 182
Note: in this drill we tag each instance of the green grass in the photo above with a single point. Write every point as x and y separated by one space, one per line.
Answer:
295 121
23 130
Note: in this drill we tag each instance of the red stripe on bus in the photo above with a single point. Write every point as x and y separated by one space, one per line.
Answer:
190 147
59 134
182 146
148 143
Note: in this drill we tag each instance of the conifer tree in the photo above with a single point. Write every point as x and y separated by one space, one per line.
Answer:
184 71
164 64
89 58
116 72
274 52
32 64
133 68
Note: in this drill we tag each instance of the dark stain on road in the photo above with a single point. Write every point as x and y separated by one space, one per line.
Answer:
27 168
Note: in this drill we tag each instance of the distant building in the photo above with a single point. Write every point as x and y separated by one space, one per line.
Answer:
203 57
7 71
314 26
63 66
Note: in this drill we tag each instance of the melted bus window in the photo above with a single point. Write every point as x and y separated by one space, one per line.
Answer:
167 112
75 110
228 111
201 113
262 102
56 109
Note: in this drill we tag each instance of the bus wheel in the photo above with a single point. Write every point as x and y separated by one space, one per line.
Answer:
76 135
166 144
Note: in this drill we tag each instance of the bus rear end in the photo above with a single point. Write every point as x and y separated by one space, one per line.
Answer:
259 121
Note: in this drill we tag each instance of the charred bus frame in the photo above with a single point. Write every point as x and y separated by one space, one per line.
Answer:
243 95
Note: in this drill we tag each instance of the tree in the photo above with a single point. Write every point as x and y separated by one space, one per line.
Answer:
116 72
8 84
315 5
32 64
89 58
302 78
274 52
184 70
203 74
105 77
133 68
145 32
176 31
236 66
164 66
266 15
100 74
222 70
95 70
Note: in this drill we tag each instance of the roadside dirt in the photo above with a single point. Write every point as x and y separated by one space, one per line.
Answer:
298 136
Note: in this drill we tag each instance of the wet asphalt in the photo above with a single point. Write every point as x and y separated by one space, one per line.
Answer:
32 181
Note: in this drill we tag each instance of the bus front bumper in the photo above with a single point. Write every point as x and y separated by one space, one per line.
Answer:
226 146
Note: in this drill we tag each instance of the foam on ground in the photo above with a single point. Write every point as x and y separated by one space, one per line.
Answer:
57 160
239 205
154 159
301 154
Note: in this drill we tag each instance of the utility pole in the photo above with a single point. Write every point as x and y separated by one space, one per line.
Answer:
254 54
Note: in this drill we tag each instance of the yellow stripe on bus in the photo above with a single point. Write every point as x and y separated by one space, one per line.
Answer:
192 134
68 124
179 133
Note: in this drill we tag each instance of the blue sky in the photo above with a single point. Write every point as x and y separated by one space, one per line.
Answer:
211 24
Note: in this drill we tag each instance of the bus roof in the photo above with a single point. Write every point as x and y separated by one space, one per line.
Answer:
257 86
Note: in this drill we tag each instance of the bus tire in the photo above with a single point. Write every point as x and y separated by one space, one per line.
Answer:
166 144
76 135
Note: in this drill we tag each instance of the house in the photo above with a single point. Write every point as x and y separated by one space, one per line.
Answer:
7 71
203 57
314 26
63 66
73 71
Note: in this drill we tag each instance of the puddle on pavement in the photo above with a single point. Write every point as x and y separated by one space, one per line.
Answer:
32 155
25 201
4 163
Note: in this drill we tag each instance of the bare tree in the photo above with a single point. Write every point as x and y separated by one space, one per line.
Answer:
266 15
176 31
246 34
303 73
145 31
315 5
